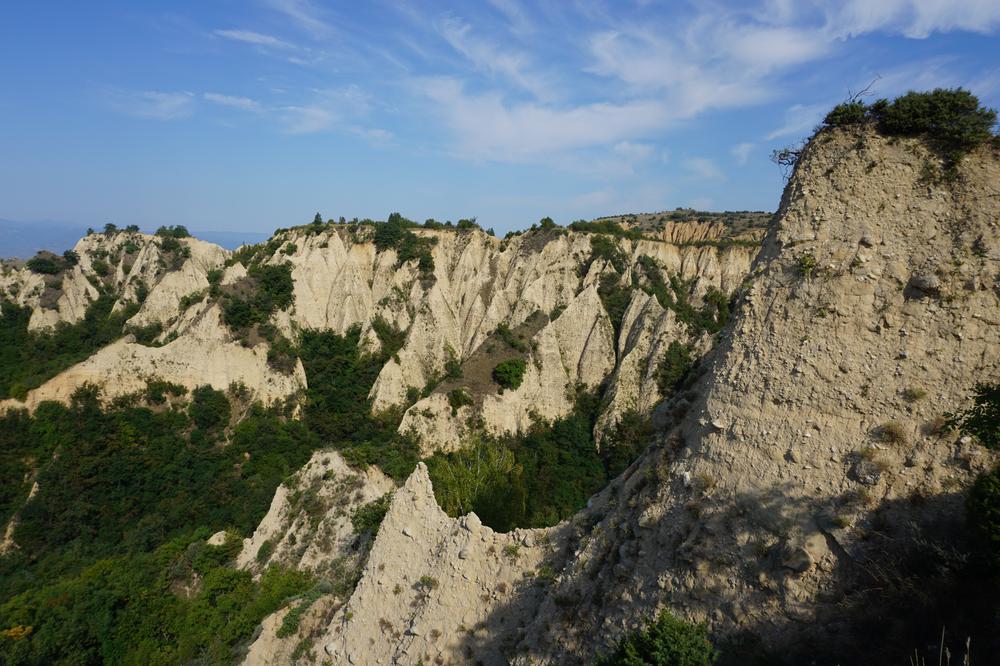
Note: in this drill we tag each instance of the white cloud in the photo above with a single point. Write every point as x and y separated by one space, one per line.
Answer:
634 152
800 119
244 103
488 57
487 128
306 119
251 37
704 168
916 19
741 152
374 135
150 104
518 20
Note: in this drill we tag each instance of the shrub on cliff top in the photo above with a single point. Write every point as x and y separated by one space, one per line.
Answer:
950 118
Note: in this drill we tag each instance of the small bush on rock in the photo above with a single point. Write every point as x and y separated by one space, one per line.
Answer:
667 641
510 373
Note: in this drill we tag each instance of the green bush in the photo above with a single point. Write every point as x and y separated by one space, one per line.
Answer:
157 391
983 515
510 373
366 519
951 119
178 231
674 366
209 408
982 420
667 641
848 113
458 398
46 264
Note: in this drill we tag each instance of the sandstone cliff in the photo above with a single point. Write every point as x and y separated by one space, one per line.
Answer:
809 450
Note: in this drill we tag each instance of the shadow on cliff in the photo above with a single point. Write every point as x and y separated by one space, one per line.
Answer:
911 574
905 571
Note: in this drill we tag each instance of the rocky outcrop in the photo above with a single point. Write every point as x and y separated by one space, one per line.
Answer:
750 514
754 510
437 587
201 357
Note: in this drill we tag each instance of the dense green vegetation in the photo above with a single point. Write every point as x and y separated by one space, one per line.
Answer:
535 479
272 289
47 263
667 641
982 421
27 359
604 226
395 234
510 373
674 366
951 120
122 492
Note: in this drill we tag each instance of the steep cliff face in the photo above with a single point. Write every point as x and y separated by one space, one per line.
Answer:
445 318
780 481
873 309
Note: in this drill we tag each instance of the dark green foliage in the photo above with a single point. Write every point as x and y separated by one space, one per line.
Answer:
366 519
510 373
178 231
100 267
848 113
623 443
273 289
606 248
337 407
615 297
667 641
982 420
674 366
132 228
515 342
122 610
46 264
534 480
675 293
391 338
157 391
209 408
395 234
110 229
467 224
458 398
547 223
30 358
71 258
606 227
146 335
952 120
983 507
214 276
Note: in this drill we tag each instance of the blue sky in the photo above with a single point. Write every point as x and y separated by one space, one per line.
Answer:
254 114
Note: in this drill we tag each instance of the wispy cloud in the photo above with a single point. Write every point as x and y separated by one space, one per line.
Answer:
251 37
306 119
485 56
741 152
305 15
800 119
486 127
634 152
705 168
244 103
150 104
917 19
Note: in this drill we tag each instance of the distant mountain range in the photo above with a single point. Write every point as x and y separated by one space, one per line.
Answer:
23 239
